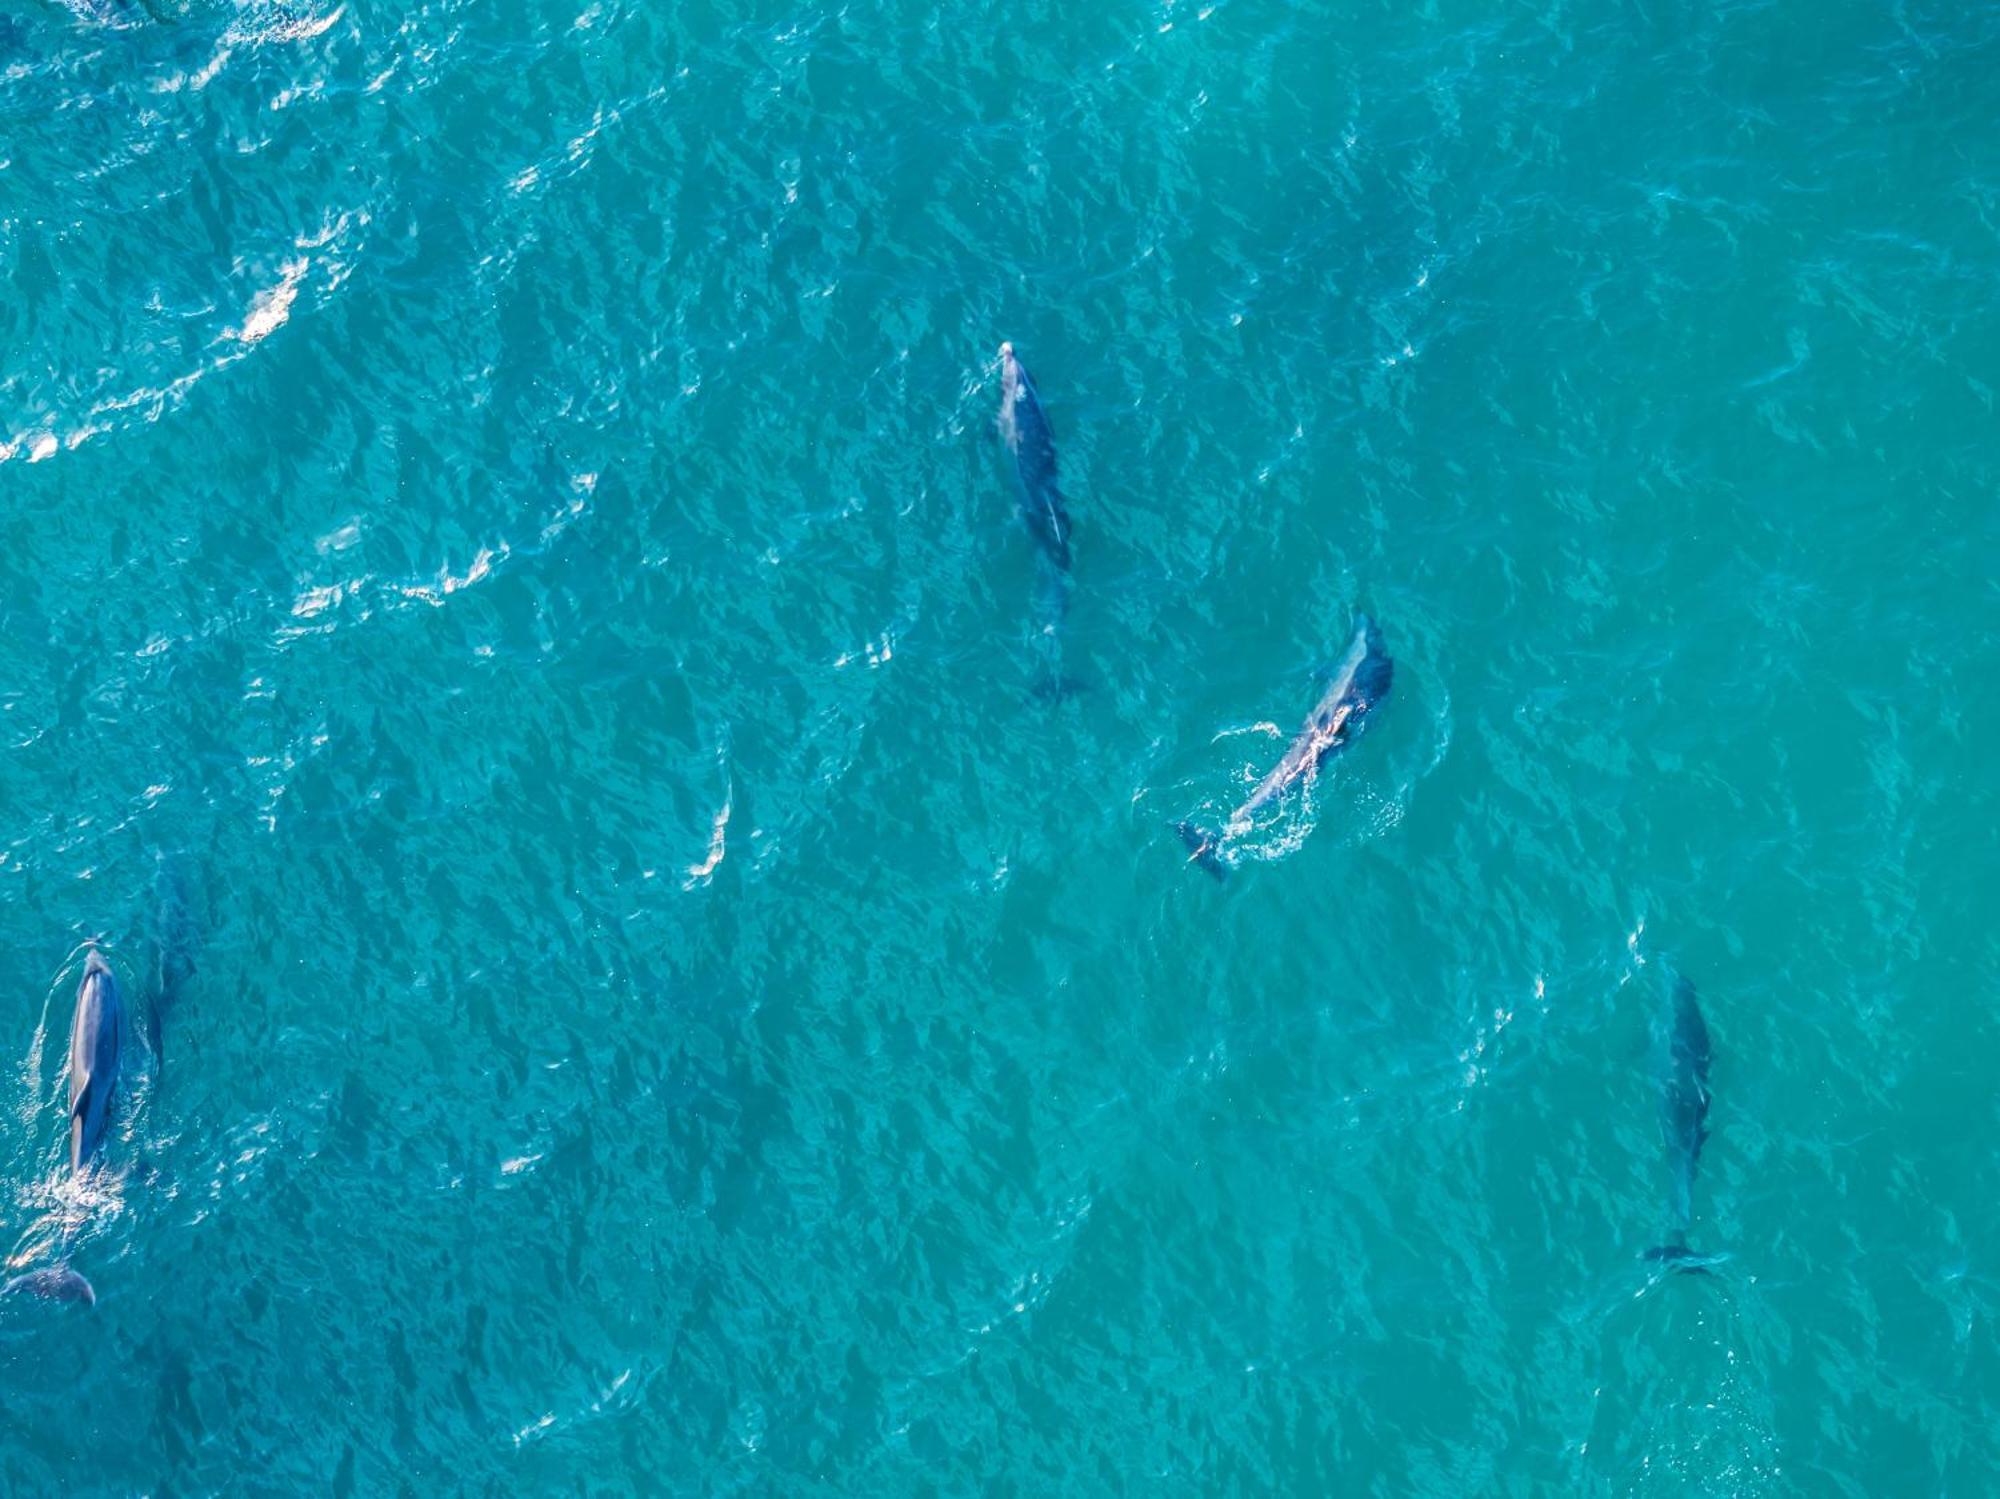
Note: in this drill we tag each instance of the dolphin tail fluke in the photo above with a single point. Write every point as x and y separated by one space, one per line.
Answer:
58 1283
1204 848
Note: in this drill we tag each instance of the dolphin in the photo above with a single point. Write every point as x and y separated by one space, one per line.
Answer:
58 1283
96 1043
1353 688
1680 1067
96 1048
1024 428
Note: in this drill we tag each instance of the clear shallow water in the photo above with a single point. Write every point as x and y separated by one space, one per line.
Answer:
510 494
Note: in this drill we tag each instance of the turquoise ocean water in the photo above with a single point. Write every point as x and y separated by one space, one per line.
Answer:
506 495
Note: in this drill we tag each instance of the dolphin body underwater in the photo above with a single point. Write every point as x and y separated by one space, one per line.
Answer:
175 945
1353 689
1680 1066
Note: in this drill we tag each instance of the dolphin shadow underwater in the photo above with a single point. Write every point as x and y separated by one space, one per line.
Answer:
172 948
99 1030
1353 689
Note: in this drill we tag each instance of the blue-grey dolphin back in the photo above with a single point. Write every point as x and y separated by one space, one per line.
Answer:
96 1055
1358 682
1024 428
1681 1051
56 1283
96 1049
1355 685
1373 670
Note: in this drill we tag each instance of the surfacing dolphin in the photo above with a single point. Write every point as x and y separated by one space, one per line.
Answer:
1355 687
96 1046
1680 1067
1024 428
57 1283
96 1050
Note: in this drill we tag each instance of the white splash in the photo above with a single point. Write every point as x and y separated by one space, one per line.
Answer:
875 652
272 306
1266 728
449 582
302 29
482 565
316 601
582 487
199 79
534 1429
339 539
155 398
698 874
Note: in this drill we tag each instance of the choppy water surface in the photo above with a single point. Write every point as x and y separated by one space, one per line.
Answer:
509 494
